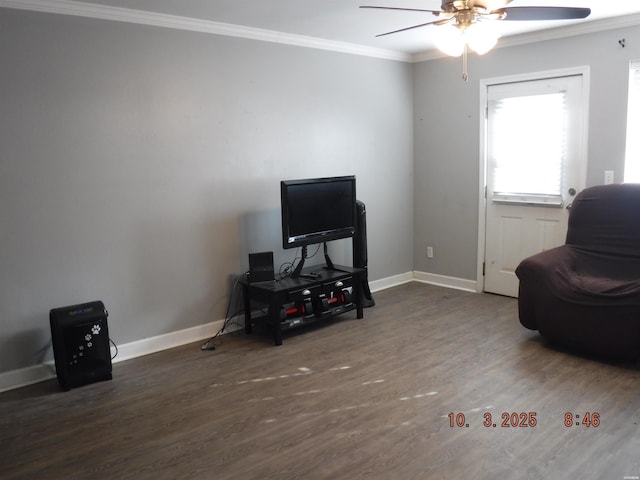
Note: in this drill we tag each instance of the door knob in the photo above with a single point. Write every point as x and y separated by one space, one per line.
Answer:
568 207
572 191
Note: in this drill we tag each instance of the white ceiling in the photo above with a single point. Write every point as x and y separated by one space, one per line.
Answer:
343 21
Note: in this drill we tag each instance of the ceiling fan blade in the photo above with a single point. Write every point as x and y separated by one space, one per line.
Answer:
405 9
409 28
543 13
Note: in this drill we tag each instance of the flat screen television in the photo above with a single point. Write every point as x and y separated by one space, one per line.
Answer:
317 210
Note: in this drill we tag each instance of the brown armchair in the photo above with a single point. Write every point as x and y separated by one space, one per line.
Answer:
586 294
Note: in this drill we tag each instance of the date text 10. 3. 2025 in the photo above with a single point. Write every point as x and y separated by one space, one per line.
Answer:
524 420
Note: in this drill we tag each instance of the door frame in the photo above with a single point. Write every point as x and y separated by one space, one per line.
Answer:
585 72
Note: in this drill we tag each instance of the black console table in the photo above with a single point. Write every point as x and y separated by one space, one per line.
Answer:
317 294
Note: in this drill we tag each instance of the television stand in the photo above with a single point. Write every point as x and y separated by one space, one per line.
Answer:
316 294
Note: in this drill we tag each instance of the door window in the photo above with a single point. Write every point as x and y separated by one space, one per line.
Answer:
632 155
527 141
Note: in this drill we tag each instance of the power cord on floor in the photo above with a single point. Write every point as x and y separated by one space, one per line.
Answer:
209 344
114 346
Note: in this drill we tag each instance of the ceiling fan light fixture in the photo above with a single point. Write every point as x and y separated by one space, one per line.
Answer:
450 40
481 37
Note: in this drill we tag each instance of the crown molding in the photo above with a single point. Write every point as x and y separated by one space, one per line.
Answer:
549 34
118 14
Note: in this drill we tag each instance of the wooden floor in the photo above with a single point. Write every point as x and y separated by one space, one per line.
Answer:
351 399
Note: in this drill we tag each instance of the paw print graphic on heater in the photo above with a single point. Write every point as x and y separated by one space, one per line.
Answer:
95 329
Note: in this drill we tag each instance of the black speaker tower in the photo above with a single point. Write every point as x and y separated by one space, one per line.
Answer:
80 339
360 253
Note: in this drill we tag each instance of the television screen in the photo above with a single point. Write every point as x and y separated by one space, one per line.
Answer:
317 210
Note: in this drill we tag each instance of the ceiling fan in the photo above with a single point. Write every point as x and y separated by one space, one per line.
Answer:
469 22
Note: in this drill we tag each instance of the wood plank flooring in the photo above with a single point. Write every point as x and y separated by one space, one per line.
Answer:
350 399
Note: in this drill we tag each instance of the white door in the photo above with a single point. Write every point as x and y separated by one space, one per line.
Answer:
535 158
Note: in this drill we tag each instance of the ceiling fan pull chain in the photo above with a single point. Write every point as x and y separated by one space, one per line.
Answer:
465 75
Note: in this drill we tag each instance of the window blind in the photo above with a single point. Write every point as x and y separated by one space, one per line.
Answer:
527 146
632 154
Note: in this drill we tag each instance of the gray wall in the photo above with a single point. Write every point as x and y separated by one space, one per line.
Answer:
139 166
446 126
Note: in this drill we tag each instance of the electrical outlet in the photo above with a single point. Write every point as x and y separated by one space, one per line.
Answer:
608 177
429 252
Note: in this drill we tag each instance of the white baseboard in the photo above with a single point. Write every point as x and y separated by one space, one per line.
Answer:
445 281
384 283
147 346
26 376
424 277
46 371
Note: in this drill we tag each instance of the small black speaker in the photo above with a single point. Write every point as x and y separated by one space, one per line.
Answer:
261 267
80 338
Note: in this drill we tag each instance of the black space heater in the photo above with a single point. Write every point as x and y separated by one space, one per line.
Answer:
80 339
